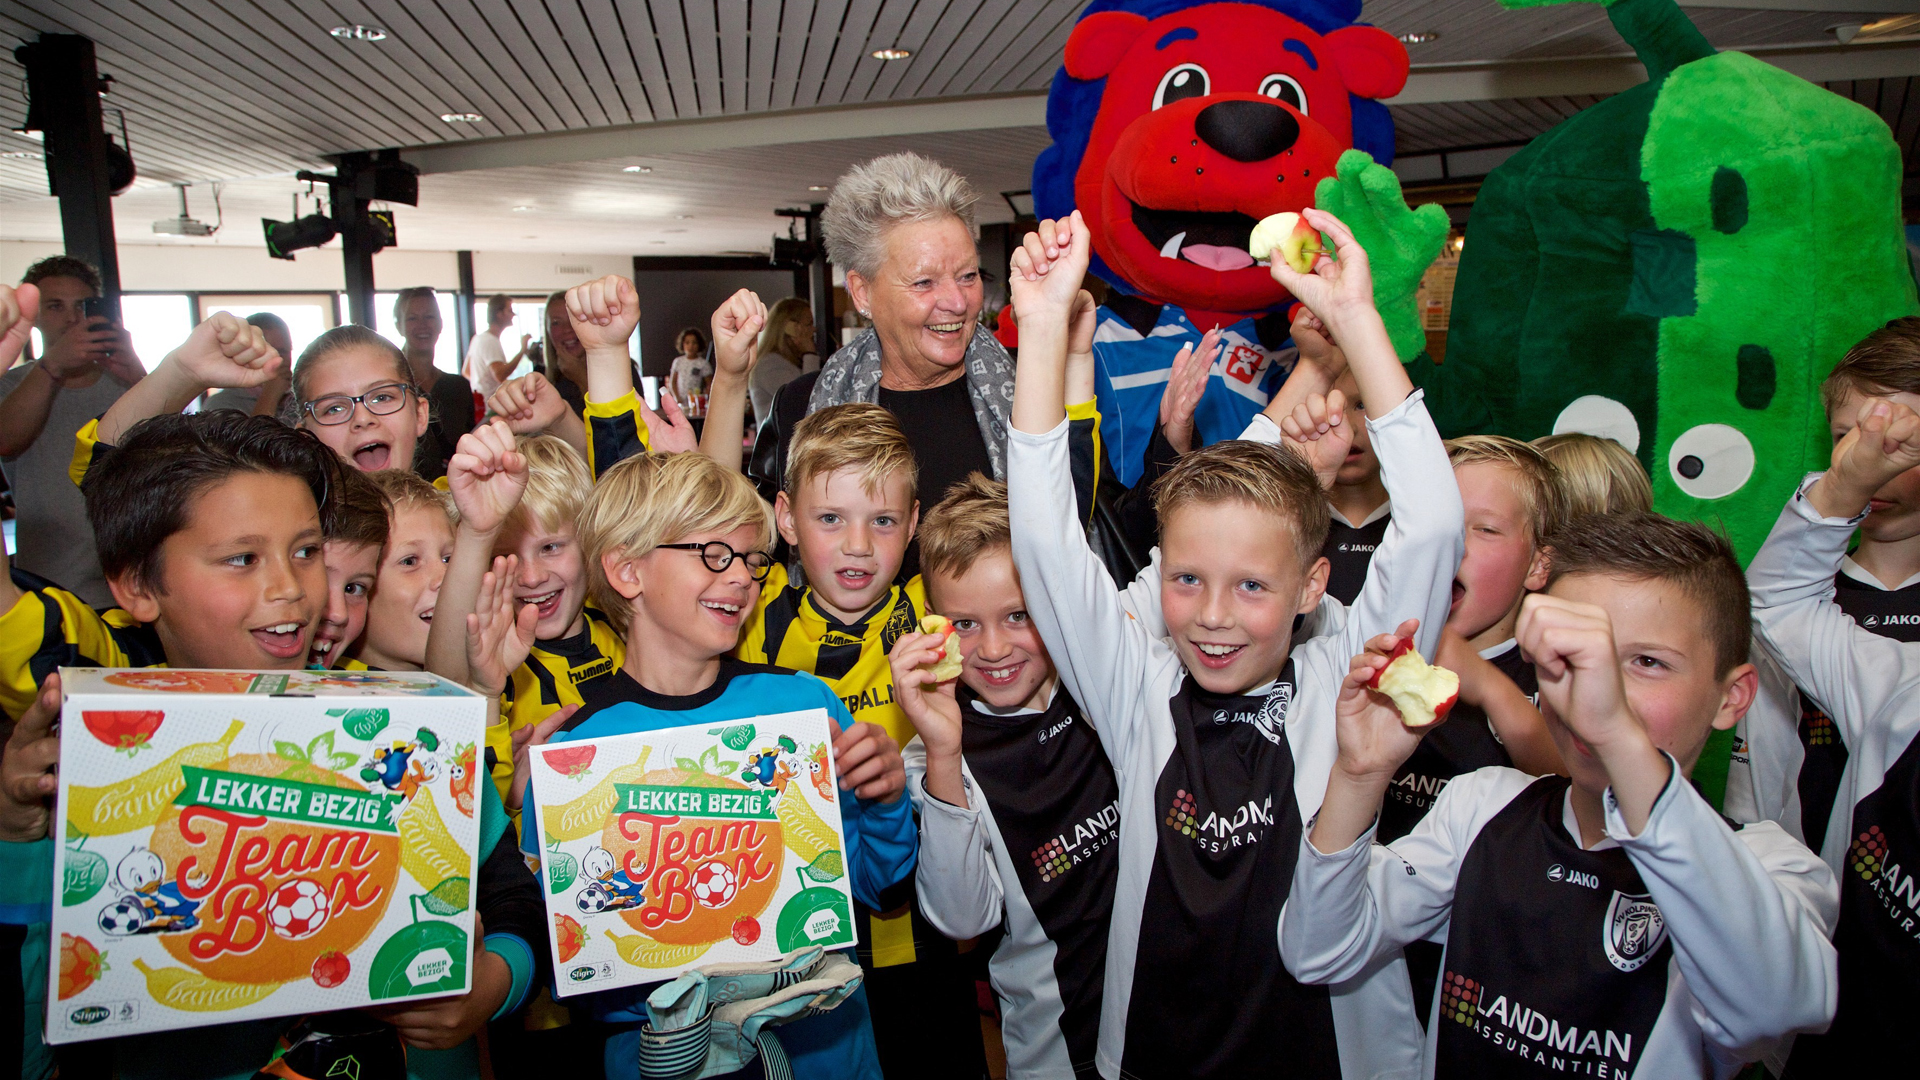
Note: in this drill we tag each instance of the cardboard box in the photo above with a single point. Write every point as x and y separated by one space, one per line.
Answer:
673 849
253 844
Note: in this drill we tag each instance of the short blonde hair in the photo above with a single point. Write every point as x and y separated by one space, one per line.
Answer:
1537 482
1266 477
557 484
970 522
876 195
1597 476
405 490
654 499
858 435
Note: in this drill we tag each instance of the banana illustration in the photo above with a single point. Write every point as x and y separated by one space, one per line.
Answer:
136 802
587 815
427 850
178 988
802 828
642 951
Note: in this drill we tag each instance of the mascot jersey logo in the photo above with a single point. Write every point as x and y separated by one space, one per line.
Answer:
1177 126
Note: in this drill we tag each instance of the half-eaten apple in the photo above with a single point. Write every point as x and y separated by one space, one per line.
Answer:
1288 234
948 666
1424 692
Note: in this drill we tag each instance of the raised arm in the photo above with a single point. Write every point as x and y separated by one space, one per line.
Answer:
604 313
224 352
1858 675
737 323
531 406
486 476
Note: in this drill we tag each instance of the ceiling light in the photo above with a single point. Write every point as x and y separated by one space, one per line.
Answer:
656 241
1420 37
358 32
891 54
25 155
521 209
818 187
462 117
683 217
638 169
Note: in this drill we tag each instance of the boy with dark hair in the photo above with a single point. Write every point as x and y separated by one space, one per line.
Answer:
1867 684
360 518
1608 924
1018 804
1220 732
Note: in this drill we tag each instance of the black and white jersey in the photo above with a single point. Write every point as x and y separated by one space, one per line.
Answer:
1870 687
1034 852
1349 550
1213 791
1684 951
1464 743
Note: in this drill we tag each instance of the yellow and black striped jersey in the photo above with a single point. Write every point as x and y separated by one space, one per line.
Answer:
615 431
50 628
553 676
788 630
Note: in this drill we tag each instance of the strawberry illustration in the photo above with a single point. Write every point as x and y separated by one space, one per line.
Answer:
80 965
123 729
746 930
330 969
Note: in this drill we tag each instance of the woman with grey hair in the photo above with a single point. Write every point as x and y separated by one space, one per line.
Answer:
902 228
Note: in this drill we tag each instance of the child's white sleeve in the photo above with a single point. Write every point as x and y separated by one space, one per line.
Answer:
1100 651
1866 682
1349 908
1411 575
1750 915
957 882
1762 779
1141 597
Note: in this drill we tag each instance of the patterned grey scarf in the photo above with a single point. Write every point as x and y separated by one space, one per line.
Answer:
853 374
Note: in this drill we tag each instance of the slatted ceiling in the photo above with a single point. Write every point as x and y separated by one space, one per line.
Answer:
602 23
1444 125
731 30
1035 54
440 60
644 52
566 23
763 48
972 61
1897 101
794 22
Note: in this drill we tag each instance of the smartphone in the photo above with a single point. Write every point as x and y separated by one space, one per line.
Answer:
95 307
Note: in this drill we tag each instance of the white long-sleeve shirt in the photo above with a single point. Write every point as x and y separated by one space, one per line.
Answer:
1554 952
1194 984
1870 687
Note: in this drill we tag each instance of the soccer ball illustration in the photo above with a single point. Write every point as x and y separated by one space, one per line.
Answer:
593 899
123 917
297 909
714 884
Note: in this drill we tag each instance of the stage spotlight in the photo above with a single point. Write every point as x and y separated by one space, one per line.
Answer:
286 237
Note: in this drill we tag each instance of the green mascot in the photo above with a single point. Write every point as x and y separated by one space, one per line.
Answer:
1678 267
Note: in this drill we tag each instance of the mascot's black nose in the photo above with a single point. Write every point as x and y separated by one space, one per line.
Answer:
1247 130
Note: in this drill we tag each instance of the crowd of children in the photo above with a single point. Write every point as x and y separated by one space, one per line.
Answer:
1172 815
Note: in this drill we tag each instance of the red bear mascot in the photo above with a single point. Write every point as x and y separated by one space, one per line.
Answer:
1177 126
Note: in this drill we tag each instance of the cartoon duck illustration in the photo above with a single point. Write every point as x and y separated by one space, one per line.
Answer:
151 904
404 766
774 766
608 888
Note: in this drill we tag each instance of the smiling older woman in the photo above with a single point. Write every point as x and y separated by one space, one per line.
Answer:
902 227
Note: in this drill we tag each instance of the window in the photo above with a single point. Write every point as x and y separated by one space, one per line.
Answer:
446 352
157 322
529 318
307 316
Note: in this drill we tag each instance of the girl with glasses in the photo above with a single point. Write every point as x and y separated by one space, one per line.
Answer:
355 391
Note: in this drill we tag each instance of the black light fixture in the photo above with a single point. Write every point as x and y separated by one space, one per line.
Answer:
286 237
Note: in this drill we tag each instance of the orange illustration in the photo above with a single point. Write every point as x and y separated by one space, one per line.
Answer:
273 895
701 874
180 681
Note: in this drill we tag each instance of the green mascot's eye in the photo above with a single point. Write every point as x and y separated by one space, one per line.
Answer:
1710 461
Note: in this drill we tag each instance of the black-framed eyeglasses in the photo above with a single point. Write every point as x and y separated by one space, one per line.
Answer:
718 555
383 400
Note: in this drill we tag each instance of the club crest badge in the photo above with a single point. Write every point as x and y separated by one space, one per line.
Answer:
1272 720
1634 930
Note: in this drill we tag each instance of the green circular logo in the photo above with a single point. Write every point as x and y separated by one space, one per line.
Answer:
816 916
424 958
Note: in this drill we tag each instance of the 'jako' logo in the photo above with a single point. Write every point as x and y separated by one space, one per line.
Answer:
88 1014
581 973
1556 872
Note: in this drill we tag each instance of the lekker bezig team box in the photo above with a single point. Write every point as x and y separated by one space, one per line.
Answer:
672 849
241 845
